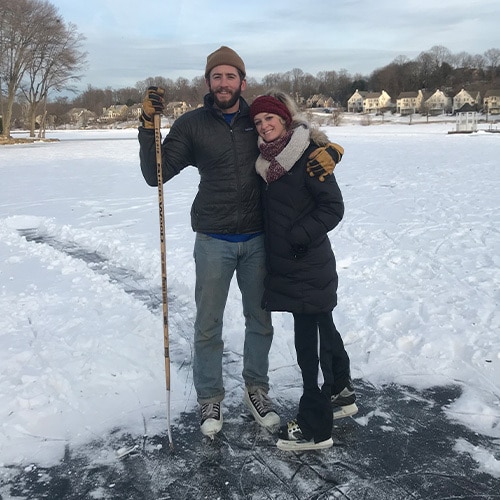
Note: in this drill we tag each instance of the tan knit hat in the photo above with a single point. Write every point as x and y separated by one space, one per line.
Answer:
224 55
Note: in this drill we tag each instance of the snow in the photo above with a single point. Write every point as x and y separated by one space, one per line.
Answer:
80 299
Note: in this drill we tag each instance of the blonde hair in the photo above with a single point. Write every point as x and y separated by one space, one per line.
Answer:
298 119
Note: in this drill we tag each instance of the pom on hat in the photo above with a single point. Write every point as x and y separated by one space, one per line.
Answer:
269 104
224 55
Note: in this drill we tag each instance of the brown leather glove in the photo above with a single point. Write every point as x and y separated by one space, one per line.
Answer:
152 104
322 160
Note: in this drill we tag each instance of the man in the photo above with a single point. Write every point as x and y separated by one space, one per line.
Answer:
220 140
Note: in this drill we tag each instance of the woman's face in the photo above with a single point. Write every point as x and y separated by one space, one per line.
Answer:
269 126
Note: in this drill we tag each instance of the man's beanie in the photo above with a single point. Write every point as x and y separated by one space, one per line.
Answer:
224 55
269 104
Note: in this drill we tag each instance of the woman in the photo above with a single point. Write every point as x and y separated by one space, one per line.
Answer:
299 211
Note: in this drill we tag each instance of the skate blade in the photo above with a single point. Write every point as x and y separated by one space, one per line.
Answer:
127 451
345 411
301 445
209 437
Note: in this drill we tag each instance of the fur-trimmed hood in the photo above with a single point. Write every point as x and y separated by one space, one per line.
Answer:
317 136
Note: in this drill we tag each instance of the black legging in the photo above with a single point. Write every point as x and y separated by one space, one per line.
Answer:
315 416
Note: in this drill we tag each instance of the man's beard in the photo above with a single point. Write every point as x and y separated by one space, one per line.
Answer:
226 104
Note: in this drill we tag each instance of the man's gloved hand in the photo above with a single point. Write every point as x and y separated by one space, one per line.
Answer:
152 104
322 160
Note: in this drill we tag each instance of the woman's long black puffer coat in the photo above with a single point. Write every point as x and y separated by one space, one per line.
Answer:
299 211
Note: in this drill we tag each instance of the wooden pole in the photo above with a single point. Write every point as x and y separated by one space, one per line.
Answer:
159 172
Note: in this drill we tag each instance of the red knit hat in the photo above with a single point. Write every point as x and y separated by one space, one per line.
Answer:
269 104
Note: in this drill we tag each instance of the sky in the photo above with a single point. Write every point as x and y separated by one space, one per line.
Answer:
81 339
129 41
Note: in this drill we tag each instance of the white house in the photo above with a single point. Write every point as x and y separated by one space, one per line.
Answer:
437 103
368 102
473 99
375 102
81 117
176 108
491 101
114 112
355 102
406 103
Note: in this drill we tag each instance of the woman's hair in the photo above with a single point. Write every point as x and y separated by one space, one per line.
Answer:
317 136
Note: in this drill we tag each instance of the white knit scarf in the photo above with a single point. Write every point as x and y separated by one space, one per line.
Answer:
289 155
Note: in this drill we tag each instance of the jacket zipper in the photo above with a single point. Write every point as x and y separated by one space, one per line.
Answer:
236 166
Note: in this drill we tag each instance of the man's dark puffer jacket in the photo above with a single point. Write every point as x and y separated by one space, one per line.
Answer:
228 199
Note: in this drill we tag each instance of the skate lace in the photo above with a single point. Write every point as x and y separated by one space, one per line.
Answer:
292 431
210 410
261 401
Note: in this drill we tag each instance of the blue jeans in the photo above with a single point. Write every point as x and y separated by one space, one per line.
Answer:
216 261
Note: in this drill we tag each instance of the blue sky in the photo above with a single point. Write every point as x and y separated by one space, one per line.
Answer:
128 40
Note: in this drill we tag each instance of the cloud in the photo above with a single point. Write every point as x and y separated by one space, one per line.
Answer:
128 41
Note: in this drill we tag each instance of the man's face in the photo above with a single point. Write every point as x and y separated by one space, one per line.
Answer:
225 85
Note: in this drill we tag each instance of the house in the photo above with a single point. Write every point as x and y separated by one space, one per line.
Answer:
355 102
80 117
406 103
115 112
317 101
463 98
368 102
176 108
438 103
422 96
427 102
134 111
329 103
320 101
374 102
491 101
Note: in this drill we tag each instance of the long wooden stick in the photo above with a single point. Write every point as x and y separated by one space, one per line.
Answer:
159 172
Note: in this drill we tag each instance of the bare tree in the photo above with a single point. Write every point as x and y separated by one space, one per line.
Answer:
337 117
478 62
278 80
440 55
387 78
56 57
128 96
19 24
462 60
58 108
34 42
94 99
308 86
492 57
427 68
296 76
182 90
166 84
199 89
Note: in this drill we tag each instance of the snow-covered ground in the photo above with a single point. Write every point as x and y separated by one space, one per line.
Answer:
81 339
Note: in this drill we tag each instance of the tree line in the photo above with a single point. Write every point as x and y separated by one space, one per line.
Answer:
436 68
41 56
